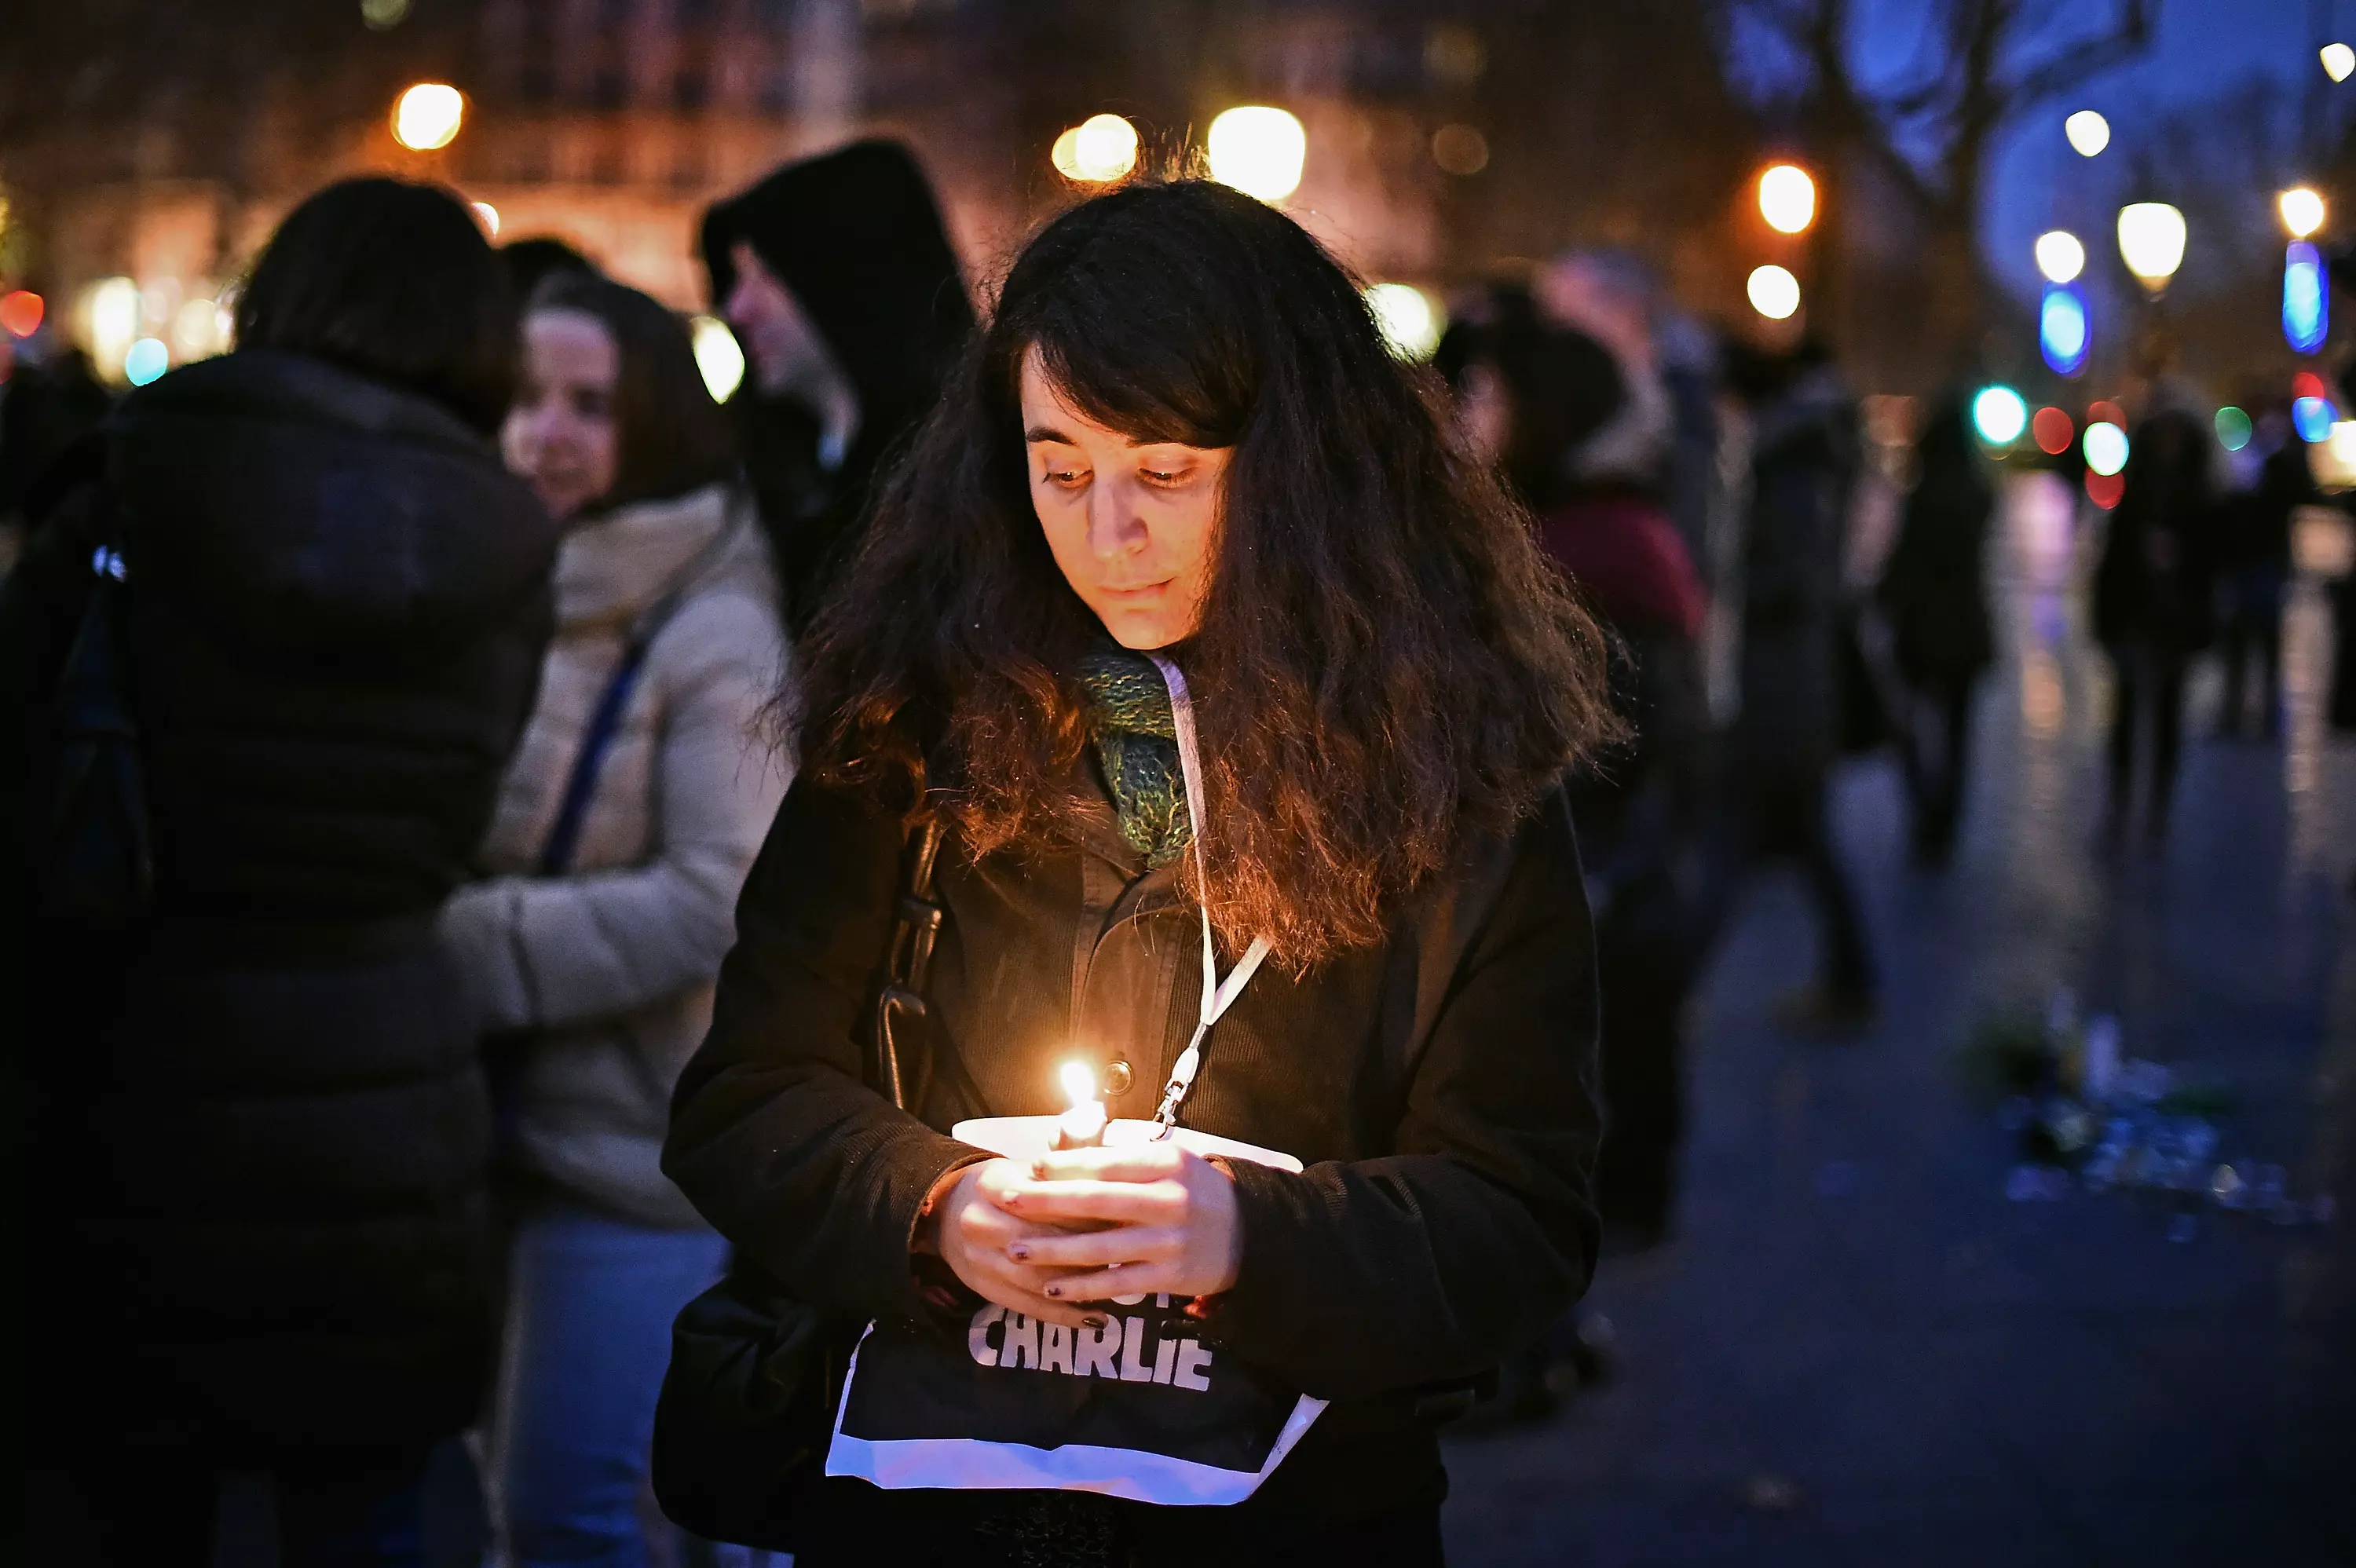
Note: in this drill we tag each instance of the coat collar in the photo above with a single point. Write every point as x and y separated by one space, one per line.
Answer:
614 565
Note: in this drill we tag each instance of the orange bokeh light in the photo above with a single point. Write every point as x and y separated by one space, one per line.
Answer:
2106 413
2052 430
2104 489
21 312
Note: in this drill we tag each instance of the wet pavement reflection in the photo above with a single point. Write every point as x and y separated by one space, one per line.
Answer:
1861 1348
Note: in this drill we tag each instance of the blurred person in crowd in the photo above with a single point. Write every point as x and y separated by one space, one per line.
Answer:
50 400
1805 454
2154 607
631 811
1536 398
838 277
1181 435
2272 481
259 1135
1533 397
534 259
1933 590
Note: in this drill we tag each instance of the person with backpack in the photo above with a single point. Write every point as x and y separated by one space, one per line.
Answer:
1224 705
269 649
633 807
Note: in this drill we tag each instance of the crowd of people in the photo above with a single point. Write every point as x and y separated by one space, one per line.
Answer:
470 783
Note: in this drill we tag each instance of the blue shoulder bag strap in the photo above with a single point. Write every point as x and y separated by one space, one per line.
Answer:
606 720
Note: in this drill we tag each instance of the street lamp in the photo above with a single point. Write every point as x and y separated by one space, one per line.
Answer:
1774 292
2302 212
427 116
1787 198
1257 150
2060 256
1101 148
2339 59
2151 243
2088 132
2306 299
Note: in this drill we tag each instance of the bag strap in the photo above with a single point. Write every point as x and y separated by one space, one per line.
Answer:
606 719
917 921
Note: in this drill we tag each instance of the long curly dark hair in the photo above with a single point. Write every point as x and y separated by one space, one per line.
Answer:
1385 662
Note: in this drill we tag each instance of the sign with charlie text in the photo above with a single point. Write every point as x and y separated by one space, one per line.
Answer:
1141 1408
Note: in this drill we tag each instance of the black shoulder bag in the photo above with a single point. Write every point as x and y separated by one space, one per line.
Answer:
747 1406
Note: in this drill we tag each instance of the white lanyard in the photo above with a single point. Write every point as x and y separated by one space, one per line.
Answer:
1217 994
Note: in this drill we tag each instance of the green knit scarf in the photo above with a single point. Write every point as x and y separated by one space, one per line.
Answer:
1137 745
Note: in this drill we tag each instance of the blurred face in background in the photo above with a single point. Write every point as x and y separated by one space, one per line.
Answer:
560 433
1132 525
787 354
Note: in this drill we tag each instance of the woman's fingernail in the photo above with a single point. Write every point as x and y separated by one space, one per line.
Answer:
1019 1253
1055 1292
1094 1319
1038 1171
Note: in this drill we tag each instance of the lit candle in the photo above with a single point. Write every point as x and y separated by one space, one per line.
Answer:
1083 1126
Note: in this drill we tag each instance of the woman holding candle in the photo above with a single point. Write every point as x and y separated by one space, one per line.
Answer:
1181 437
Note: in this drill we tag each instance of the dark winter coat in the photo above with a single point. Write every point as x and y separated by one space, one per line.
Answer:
259 1132
2155 583
1804 467
1440 1089
856 236
1935 586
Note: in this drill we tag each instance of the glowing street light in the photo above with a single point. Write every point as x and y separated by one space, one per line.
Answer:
2151 241
1774 292
2302 212
427 116
1999 414
1411 323
2339 59
2060 256
1258 151
1787 198
2307 298
2105 447
487 216
2088 132
1101 148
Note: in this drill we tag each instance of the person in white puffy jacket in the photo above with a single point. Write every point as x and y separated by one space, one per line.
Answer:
631 811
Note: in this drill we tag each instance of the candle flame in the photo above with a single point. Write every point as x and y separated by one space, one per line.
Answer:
1079 1082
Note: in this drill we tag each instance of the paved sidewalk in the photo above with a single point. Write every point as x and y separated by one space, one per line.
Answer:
1858 1352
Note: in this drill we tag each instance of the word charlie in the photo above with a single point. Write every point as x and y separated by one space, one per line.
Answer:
1000 1337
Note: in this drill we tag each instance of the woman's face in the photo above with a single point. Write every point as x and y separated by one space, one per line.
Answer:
1132 525
560 434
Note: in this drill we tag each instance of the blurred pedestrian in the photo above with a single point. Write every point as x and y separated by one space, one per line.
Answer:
1539 397
2254 565
632 809
1805 454
258 1132
2153 608
1181 437
1934 591
838 277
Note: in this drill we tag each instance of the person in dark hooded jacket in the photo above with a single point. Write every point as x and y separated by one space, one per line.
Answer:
836 273
257 1135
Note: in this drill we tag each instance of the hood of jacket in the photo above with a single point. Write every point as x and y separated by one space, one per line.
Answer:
297 506
856 236
611 568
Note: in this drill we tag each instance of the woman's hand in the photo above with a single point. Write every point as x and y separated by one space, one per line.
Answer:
979 1232
1094 1224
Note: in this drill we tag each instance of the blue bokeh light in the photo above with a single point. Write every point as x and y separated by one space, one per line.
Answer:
2312 418
2062 329
2307 302
147 360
